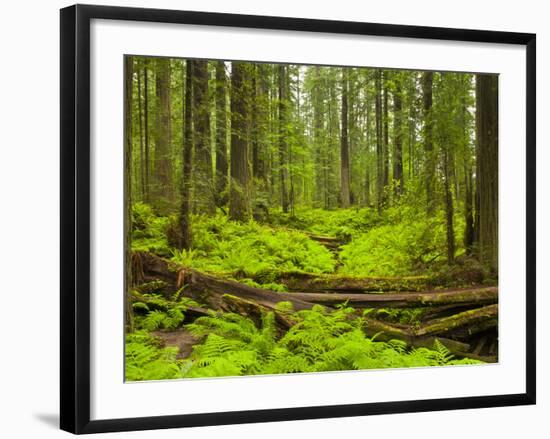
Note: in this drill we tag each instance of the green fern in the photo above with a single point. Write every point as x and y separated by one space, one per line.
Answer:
146 359
320 340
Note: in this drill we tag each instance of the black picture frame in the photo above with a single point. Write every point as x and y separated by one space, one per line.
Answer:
75 217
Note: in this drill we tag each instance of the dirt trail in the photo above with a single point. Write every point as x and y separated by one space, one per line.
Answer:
181 339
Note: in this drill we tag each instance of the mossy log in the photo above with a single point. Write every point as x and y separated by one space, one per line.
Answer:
446 329
225 295
472 321
455 297
309 282
206 288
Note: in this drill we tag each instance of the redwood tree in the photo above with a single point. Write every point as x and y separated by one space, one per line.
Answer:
239 195
487 168
344 145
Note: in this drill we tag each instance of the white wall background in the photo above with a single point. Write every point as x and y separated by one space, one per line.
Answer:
29 169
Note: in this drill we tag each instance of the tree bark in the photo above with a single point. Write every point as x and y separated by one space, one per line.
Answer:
147 167
320 188
386 143
379 143
203 178
239 198
187 155
487 168
163 196
283 168
398 137
449 211
427 84
468 183
141 139
344 145
128 77
221 135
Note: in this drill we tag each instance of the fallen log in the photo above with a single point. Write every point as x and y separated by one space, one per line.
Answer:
206 288
309 282
473 321
222 294
458 297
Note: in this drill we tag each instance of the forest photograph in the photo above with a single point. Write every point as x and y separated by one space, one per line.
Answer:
291 218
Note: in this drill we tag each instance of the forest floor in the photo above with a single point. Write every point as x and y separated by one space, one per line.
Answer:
287 295
180 338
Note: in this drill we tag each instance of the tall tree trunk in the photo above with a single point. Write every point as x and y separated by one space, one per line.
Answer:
398 136
187 152
468 185
344 145
379 145
147 154
448 208
128 76
487 168
239 194
204 190
221 134
163 164
141 140
262 100
427 85
412 126
291 193
254 141
317 136
385 120
283 168
468 209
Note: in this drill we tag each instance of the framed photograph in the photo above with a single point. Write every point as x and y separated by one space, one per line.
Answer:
272 218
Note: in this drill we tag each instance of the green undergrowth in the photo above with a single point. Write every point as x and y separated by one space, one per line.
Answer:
153 311
407 244
344 224
149 230
250 252
319 341
399 242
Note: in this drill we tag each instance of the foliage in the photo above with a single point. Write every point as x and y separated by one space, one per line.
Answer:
155 312
319 341
408 243
340 223
149 230
146 359
405 316
412 148
250 250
